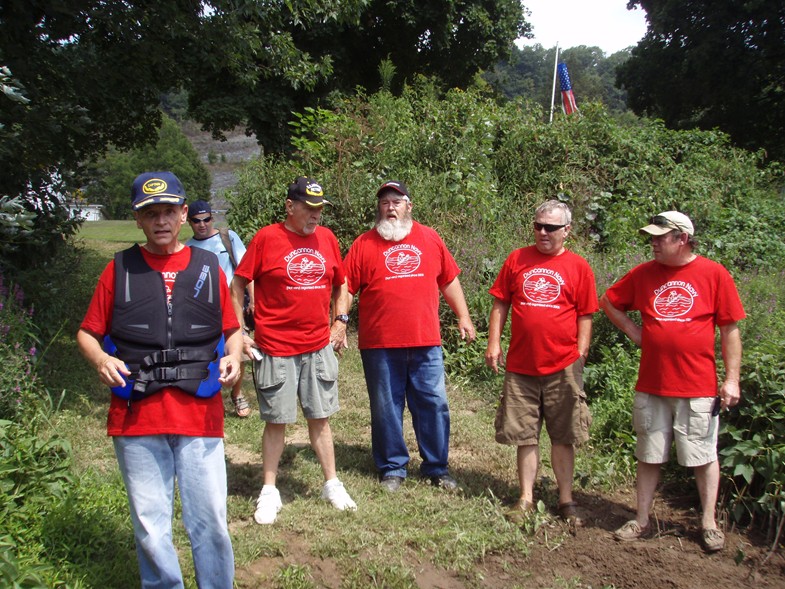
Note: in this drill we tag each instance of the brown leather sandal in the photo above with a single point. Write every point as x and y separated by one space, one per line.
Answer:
569 512
241 406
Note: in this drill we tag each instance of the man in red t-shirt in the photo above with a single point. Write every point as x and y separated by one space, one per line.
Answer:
400 267
297 273
682 299
552 295
166 413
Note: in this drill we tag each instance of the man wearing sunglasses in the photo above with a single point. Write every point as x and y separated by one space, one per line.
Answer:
206 236
682 298
552 295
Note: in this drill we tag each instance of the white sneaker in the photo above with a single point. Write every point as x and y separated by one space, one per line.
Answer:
335 493
267 505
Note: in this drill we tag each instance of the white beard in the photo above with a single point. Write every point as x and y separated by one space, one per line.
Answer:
394 229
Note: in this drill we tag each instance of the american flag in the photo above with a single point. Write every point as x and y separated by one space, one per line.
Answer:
567 97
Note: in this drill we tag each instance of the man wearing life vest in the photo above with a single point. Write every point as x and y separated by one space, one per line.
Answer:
161 332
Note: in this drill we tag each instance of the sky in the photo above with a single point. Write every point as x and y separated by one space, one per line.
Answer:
606 24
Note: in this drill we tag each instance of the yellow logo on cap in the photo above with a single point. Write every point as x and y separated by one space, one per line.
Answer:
313 190
154 186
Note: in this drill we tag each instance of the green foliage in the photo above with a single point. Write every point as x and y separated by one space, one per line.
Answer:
477 169
275 62
753 437
528 74
610 386
709 65
35 224
112 177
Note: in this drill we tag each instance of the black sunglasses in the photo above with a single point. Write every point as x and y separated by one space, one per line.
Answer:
661 221
548 227
200 221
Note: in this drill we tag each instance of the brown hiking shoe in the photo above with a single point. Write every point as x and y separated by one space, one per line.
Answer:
632 530
713 540
518 512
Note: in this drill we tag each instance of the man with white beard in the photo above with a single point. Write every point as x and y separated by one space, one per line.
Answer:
400 267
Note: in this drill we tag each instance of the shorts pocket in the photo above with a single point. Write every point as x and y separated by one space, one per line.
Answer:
700 418
585 413
641 416
326 365
270 371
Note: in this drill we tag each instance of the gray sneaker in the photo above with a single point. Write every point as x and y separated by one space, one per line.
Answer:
713 540
632 530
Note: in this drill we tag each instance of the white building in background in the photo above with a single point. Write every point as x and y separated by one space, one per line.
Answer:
85 211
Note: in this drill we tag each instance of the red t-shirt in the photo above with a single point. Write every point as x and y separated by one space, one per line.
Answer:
169 411
399 284
680 307
546 294
293 276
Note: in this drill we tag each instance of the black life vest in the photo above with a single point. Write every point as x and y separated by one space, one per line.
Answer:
164 345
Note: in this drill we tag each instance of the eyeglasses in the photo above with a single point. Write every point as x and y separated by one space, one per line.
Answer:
662 221
200 221
548 227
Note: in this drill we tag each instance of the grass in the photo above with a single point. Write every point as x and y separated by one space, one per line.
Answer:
123 231
387 542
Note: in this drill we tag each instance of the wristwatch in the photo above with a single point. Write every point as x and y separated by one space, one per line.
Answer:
342 318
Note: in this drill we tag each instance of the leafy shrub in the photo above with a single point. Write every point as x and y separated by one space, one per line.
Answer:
478 168
111 178
610 385
34 459
753 439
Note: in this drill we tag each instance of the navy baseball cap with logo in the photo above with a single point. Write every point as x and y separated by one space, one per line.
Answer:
308 191
151 188
199 207
395 185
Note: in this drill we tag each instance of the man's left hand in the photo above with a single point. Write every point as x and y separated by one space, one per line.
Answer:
730 394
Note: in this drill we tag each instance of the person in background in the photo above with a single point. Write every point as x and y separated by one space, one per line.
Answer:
682 298
552 295
297 274
161 332
399 268
229 248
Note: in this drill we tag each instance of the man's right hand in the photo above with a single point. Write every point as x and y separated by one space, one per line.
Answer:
112 370
494 357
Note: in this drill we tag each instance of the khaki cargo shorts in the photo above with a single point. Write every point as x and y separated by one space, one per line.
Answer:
558 399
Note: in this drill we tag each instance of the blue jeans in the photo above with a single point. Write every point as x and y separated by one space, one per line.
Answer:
395 377
149 465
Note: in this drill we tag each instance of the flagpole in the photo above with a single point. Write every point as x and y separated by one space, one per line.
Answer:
553 92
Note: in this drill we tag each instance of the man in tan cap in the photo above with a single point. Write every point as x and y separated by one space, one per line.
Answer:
682 297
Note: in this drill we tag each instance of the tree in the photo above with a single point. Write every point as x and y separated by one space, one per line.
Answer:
94 70
447 39
712 63
529 73
173 151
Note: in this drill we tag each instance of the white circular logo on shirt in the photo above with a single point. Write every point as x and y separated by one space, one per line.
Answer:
673 301
305 269
541 287
402 261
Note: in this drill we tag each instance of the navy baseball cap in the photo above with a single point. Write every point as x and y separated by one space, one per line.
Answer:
395 185
156 187
308 191
198 207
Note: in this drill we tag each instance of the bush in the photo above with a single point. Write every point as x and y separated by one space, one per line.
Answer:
34 459
477 169
111 178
